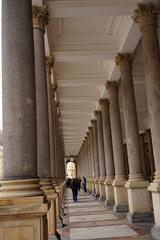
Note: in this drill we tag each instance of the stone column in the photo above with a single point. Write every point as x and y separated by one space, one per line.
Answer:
98 115
92 159
108 149
96 153
146 16
40 20
54 167
22 202
136 186
50 90
90 166
120 192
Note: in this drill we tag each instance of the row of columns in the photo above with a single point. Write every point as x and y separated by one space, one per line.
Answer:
128 192
31 190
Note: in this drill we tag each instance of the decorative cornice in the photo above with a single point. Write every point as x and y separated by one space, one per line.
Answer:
49 62
124 60
40 17
146 14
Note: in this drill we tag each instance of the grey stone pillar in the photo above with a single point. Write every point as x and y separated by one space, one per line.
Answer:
19 103
20 185
120 193
136 185
54 164
89 163
92 158
98 115
40 20
146 16
108 149
96 154
49 66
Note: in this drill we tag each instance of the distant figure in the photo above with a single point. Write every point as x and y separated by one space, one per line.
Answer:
79 181
84 184
74 186
68 182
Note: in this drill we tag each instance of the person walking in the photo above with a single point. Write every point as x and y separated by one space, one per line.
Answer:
84 183
79 181
75 186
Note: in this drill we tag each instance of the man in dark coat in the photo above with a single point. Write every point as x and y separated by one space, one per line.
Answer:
74 186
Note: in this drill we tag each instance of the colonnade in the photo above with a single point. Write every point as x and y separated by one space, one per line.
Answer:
128 192
31 190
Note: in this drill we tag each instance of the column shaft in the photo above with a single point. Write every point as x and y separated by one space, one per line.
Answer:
40 19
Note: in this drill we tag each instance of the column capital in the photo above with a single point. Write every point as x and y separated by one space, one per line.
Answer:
49 62
124 60
112 85
96 112
90 128
104 101
40 17
93 121
146 14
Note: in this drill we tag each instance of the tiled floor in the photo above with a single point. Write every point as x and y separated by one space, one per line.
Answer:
91 219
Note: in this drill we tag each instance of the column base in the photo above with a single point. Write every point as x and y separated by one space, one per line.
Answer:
140 217
120 194
22 216
155 232
109 192
102 196
139 201
154 188
49 191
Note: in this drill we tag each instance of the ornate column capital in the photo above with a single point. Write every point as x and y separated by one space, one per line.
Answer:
112 85
146 14
93 121
124 61
104 101
90 128
49 62
40 17
96 112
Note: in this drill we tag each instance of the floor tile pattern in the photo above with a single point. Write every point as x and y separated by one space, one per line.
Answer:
89 218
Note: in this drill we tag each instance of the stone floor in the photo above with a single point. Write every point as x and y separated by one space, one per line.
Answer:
91 219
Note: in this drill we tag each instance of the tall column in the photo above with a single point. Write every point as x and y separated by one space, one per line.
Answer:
97 168
54 167
98 115
108 149
49 66
89 163
92 159
20 193
40 20
136 186
120 192
146 16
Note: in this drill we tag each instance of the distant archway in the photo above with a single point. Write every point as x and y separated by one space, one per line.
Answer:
70 167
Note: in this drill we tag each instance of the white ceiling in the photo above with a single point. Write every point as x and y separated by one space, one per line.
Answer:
85 36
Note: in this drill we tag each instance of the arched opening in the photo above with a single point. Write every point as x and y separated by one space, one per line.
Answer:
71 168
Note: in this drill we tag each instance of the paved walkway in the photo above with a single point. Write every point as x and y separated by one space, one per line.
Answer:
90 219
